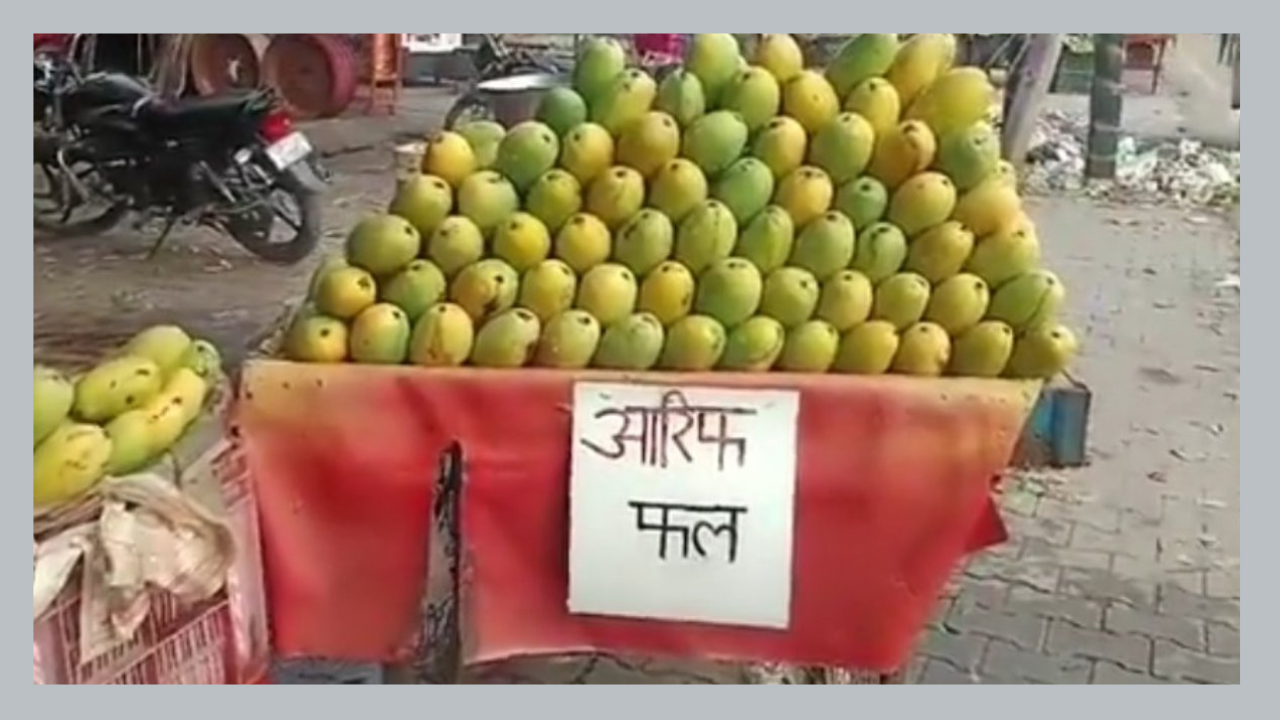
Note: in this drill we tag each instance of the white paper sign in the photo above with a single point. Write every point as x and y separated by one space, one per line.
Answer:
681 502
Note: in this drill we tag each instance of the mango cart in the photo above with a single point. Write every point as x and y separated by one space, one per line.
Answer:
892 487
544 306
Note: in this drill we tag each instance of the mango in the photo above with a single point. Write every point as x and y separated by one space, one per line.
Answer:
1007 173
767 239
805 194
548 289
69 462
919 62
811 100
843 147
131 443
707 234
164 345
615 196
455 244
667 292
990 207
1005 254
780 54
693 343
316 339
508 340
902 152
425 201
922 203
941 252
554 198
644 241
845 300
442 337
755 94
561 108
583 242
568 341
810 347
1029 301
866 56
677 189
982 351
449 157
171 412
924 350
380 335
522 241
867 349
729 291
526 152
626 100
649 143
957 99
586 152
600 59
1042 352
416 288
483 136
864 201
54 396
680 95
714 58
383 244
344 292
969 155
825 246
901 300
958 303
633 343
790 296
781 145
745 188
202 358
327 265
484 289
754 345
119 384
608 292
714 141
876 100
880 253
487 198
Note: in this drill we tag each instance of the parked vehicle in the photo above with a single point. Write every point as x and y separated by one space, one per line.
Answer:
107 145
495 59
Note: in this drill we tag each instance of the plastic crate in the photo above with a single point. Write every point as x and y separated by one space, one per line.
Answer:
221 641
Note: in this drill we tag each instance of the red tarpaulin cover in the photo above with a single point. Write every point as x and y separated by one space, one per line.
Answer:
894 483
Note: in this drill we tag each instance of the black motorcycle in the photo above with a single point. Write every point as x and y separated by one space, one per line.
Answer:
107 145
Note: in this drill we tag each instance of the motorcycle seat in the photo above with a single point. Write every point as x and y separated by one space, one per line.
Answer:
201 111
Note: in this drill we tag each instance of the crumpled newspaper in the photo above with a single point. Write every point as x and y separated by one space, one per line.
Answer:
1183 172
148 535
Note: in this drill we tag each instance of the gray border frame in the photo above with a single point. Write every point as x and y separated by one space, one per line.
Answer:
580 15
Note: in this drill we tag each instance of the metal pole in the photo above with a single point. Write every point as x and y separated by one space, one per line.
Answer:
1105 105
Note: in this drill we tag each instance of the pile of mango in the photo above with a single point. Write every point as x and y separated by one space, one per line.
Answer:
739 214
121 415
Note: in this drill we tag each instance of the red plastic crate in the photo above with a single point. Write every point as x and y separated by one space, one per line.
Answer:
217 642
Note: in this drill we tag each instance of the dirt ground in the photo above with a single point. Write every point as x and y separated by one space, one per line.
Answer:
91 293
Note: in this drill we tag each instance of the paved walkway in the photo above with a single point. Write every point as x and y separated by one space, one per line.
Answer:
1128 570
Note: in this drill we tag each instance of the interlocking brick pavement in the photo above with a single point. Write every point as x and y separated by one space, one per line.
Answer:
1132 563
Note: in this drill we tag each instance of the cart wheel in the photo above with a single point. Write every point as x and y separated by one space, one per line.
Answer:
469 107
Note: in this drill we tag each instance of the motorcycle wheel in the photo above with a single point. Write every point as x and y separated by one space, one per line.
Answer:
469 107
253 229
58 212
